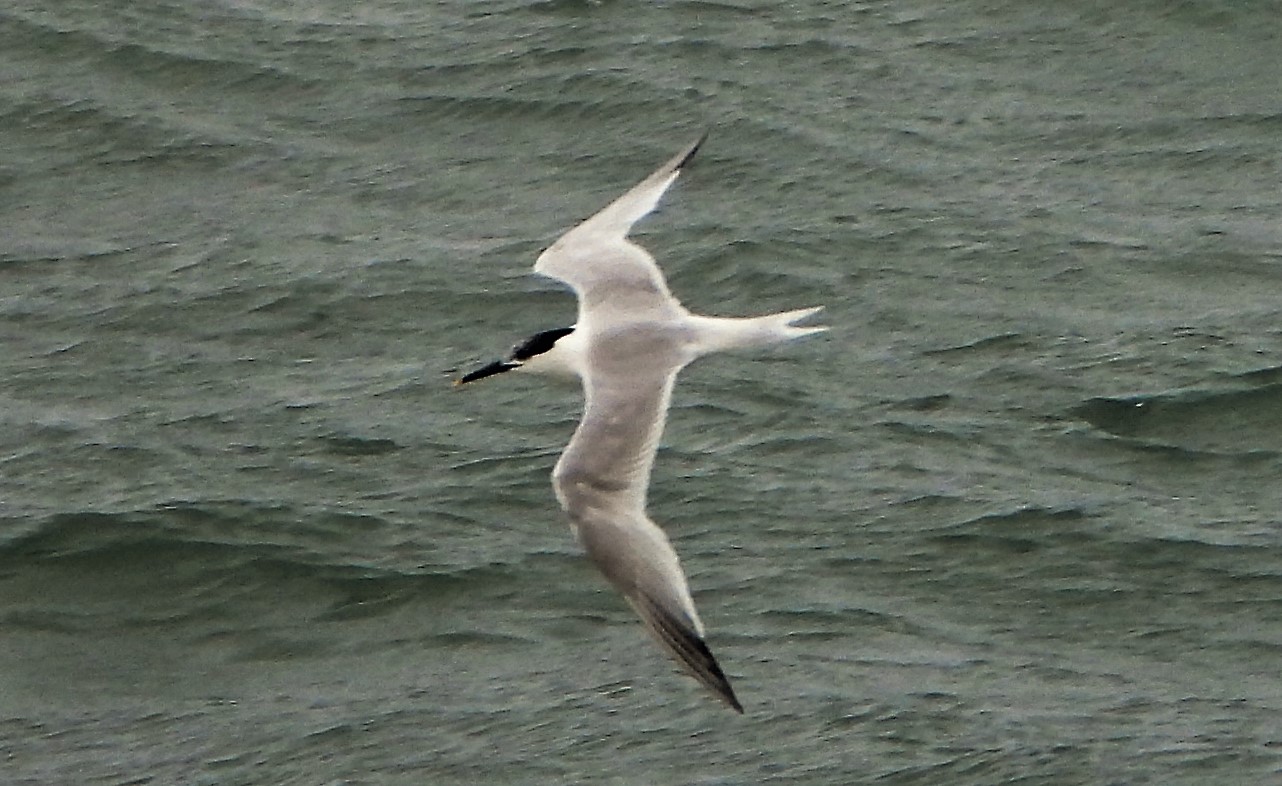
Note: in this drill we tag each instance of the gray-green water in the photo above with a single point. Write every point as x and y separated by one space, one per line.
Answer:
1014 520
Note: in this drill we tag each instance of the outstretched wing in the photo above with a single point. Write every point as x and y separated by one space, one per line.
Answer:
601 481
602 266
639 561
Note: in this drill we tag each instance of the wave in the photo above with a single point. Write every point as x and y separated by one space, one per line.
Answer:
212 563
1232 422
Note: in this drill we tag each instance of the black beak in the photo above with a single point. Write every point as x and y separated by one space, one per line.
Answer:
497 367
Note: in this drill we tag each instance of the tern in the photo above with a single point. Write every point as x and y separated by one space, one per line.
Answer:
631 339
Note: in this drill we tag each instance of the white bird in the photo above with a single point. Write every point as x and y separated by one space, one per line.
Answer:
631 339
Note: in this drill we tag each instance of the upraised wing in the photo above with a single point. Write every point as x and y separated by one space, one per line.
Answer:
602 266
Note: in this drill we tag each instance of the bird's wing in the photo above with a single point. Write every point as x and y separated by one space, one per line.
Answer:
637 558
628 375
601 481
598 262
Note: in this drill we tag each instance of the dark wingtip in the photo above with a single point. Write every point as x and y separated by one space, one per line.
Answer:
720 683
691 651
694 148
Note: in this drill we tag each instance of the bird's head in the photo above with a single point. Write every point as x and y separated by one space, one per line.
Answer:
551 352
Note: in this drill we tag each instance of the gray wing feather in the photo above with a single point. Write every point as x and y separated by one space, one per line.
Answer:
685 644
601 481
639 561
626 396
597 260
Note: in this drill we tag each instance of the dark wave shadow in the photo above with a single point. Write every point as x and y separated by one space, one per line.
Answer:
1239 421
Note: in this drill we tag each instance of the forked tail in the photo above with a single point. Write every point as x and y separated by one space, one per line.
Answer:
783 325
720 333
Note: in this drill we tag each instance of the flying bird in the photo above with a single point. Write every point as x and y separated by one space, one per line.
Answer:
631 338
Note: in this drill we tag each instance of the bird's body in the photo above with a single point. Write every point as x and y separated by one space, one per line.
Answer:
631 339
